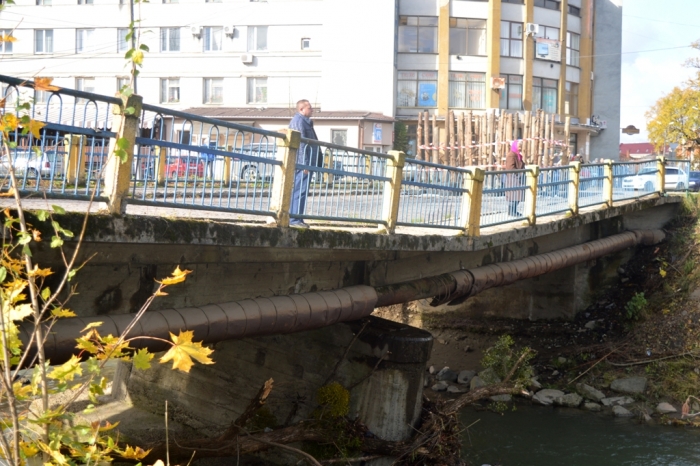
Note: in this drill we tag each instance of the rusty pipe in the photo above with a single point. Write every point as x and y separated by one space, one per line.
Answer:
306 311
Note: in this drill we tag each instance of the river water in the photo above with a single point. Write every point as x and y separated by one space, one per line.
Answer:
543 436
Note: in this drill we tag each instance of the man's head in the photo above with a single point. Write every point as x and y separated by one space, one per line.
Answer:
304 107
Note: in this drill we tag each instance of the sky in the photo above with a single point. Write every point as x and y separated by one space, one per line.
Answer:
656 38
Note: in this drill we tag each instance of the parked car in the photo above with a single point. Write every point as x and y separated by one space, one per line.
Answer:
646 179
184 166
247 170
694 181
27 162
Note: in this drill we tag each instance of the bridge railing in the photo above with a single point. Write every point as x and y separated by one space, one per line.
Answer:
178 159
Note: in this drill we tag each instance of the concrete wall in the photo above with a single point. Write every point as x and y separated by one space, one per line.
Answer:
387 400
606 85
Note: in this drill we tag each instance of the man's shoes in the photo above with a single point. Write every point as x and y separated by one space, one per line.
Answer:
298 225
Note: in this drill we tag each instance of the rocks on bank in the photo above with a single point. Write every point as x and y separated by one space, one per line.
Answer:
619 401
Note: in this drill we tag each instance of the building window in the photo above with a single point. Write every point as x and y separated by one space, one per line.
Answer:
5 45
571 103
520 2
257 90
122 44
170 90
418 34
467 36
43 41
511 39
417 89
573 144
512 94
257 38
467 90
305 43
84 40
550 4
548 32
573 45
339 137
41 97
574 10
544 94
212 38
43 2
169 39
122 82
213 90
85 85
85 2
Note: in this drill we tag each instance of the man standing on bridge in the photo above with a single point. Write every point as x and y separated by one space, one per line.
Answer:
307 154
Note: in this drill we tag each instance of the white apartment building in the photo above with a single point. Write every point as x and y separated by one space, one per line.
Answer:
361 63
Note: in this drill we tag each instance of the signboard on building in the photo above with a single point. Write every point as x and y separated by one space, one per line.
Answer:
548 49
427 94
377 133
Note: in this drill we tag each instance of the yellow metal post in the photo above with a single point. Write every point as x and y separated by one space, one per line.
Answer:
608 183
661 174
75 149
392 190
283 180
471 201
161 155
575 179
533 172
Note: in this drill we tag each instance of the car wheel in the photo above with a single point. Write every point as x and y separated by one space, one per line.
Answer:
648 186
680 186
249 173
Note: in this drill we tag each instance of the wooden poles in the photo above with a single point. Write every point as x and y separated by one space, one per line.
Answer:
467 139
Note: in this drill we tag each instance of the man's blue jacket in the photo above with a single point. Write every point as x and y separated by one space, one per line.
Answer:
308 154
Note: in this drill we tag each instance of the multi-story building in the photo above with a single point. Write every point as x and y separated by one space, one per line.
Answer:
363 63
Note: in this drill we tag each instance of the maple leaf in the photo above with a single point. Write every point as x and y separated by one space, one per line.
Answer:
134 453
44 84
67 371
184 350
176 277
62 313
137 57
142 359
28 449
35 128
7 38
9 121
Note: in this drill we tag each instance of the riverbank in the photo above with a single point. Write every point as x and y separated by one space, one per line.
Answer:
645 327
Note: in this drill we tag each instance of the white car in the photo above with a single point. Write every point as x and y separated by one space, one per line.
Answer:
646 179
27 162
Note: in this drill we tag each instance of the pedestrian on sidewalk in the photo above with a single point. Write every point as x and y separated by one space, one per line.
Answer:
514 161
307 154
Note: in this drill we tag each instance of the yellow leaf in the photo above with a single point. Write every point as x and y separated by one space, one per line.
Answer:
184 350
176 277
2 103
37 272
44 84
18 313
91 325
135 453
161 293
9 121
62 313
142 359
28 449
662 272
67 371
7 38
36 234
9 193
35 128
665 311
137 57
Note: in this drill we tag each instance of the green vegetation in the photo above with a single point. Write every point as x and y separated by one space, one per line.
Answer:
636 308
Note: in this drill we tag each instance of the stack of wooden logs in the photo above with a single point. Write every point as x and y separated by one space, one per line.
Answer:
484 139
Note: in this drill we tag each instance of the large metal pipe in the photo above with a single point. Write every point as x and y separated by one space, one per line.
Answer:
306 311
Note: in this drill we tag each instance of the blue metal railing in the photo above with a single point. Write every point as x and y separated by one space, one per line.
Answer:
503 197
591 182
634 179
432 195
553 185
677 175
342 183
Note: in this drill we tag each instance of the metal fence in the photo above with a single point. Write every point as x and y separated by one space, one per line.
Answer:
67 158
553 185
432 195
503 197
338 183
186 161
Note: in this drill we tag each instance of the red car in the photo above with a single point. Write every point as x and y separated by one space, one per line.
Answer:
182 167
